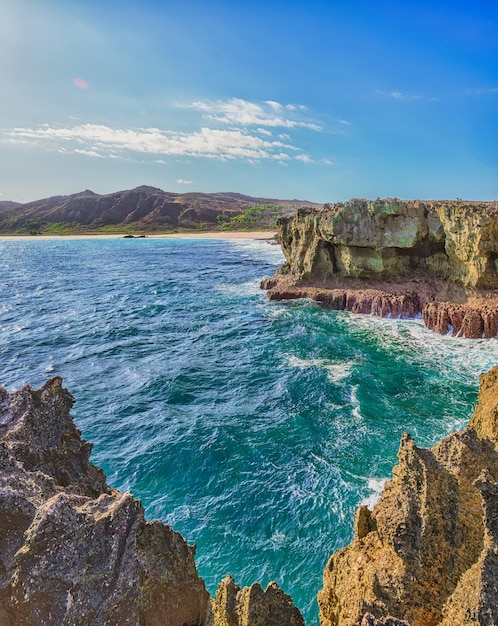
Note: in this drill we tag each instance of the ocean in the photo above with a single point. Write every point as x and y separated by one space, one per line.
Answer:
254 428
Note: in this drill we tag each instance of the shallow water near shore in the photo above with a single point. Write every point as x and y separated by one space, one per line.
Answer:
254 428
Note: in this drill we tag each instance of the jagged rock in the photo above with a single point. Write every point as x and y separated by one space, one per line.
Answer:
251 606
74 552
366 301
485 418
475 599
397 258
427 553
463 320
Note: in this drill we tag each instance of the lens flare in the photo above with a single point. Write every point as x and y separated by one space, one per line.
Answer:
80 83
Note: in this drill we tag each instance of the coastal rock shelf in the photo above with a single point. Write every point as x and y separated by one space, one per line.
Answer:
73 551
392 258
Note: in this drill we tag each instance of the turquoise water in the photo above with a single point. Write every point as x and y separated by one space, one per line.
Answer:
254 428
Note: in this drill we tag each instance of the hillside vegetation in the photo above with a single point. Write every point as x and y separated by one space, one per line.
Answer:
144 210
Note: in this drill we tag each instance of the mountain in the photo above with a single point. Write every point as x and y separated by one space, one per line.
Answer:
145 209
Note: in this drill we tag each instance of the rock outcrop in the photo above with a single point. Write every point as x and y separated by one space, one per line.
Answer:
396 258
427 553
253 606
73 551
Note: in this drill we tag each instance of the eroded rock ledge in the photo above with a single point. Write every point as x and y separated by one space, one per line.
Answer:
394 258
428 552
74 552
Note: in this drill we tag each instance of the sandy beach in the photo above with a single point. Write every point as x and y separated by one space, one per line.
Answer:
264 234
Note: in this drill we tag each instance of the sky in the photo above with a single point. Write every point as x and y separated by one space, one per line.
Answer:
316 100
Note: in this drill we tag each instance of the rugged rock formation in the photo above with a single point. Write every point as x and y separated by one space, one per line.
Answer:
73 551
427 553
144 208
251 606
396 258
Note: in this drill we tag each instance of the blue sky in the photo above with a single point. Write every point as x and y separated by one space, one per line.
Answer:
314 100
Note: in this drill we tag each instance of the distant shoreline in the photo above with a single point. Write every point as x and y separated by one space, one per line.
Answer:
262 234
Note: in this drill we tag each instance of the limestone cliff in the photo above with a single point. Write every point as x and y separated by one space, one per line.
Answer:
73 551
396 258
427 553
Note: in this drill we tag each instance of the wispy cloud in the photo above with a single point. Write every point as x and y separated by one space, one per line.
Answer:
184 181
91 153
399 95
304 158
483 91
240 112
99 140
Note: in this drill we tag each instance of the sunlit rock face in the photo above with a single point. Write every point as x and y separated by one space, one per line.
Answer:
443 255
253 606
73 551
427 552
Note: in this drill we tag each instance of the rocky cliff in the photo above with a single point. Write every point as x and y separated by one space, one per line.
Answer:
143 208
428 551
73 551
396 258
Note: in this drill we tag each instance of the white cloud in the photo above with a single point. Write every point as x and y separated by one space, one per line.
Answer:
242 130
274 105
244 113
304 158
184 181
345 122
98 140
91 153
